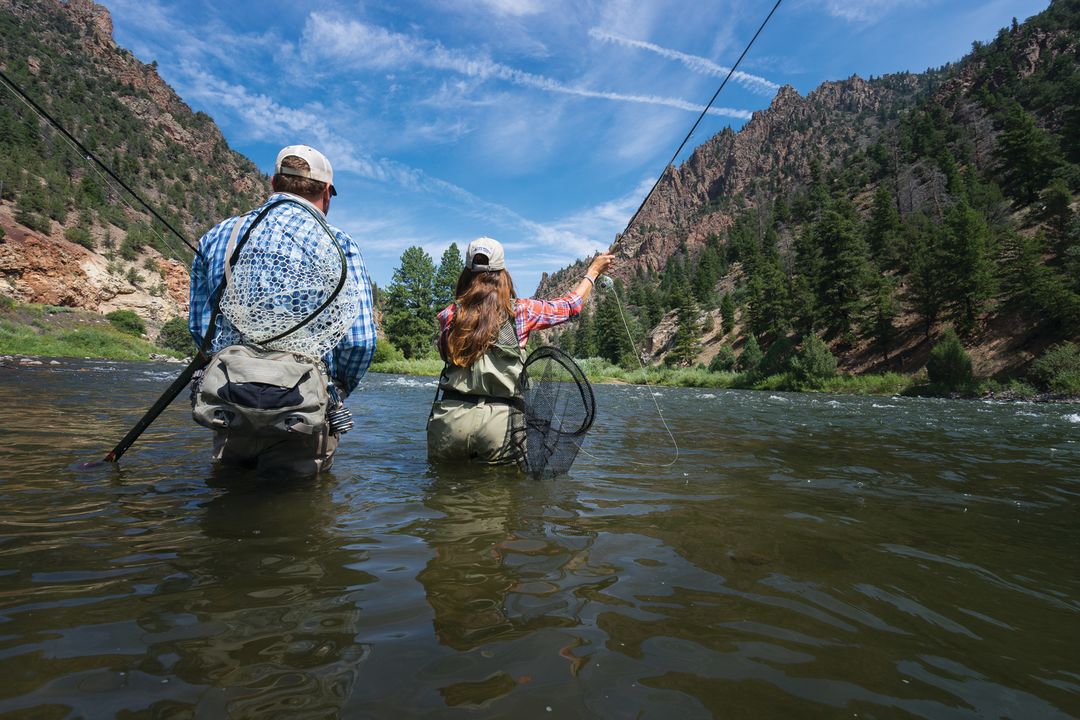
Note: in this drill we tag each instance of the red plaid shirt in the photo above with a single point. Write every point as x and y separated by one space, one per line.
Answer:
529 315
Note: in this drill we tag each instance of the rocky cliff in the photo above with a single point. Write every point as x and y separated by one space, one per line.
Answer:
86 243
770 155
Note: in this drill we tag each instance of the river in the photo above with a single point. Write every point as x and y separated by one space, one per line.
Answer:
806 556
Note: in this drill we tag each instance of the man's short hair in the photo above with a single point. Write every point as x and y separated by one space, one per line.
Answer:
294 183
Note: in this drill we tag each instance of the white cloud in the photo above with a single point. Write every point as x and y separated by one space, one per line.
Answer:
357 44
697 64
864 11
516 8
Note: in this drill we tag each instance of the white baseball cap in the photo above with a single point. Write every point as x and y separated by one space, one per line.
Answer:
320 169
491 249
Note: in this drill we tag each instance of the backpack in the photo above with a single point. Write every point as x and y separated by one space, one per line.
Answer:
249 390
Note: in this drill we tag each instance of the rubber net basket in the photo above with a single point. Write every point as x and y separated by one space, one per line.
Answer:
559 408
285 272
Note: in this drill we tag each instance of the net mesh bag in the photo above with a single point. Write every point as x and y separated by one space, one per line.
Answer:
281 293
559 408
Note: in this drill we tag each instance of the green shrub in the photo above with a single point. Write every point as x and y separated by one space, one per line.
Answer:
386 351
1020 389
1059 369
174 335
80 236
33 221
777 358
430 367
751 357
949 368
814 363
724 361
127 322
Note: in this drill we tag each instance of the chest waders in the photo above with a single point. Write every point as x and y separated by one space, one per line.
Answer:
477 413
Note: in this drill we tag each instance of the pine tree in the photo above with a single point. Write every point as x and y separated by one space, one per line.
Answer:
750 357
565 341
584 337
1026 154
928 271
706 273
649 307
450 267
409 317
1051 299
845 268
883 226
883 319
727 313
767 305
612 343
688 334
804 283
969 267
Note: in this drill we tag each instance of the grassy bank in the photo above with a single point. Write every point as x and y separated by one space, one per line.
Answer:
600 371
50 331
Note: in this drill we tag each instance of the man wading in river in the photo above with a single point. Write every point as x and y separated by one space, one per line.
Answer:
282 234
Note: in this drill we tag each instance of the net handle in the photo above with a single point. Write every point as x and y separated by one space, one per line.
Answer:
233 255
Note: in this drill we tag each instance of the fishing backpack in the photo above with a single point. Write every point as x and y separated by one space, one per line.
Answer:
253 391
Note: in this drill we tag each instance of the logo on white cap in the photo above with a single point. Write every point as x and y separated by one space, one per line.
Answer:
489 248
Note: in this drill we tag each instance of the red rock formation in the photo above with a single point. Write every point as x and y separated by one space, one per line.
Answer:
49 269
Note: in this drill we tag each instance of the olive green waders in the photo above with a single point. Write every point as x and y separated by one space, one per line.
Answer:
476 415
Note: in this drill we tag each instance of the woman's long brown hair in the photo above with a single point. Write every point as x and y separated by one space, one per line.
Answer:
483 301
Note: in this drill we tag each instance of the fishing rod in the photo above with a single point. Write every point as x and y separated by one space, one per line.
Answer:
606 283
701 116
89 155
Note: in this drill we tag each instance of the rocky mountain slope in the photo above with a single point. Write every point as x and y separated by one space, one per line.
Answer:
913 135
69 236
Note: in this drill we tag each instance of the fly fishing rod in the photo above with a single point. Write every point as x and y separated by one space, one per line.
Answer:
89 155
697 122
606 283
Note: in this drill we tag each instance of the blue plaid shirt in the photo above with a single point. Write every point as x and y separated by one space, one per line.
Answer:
350 359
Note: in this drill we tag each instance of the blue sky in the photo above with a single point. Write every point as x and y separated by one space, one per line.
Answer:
541 123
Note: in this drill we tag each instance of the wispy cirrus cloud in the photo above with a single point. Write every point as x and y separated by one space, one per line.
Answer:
515 8
694 63
268 120
357 44
864 11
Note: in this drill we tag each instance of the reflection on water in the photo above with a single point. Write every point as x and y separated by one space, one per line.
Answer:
808 556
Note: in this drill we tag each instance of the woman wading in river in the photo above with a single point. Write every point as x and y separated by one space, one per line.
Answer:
482 337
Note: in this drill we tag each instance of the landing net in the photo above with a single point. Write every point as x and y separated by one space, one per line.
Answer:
289 287
559 408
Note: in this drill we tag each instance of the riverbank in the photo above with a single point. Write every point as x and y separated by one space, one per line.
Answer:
32 334
887 384
32 331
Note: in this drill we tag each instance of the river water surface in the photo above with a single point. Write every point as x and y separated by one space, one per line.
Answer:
807 556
